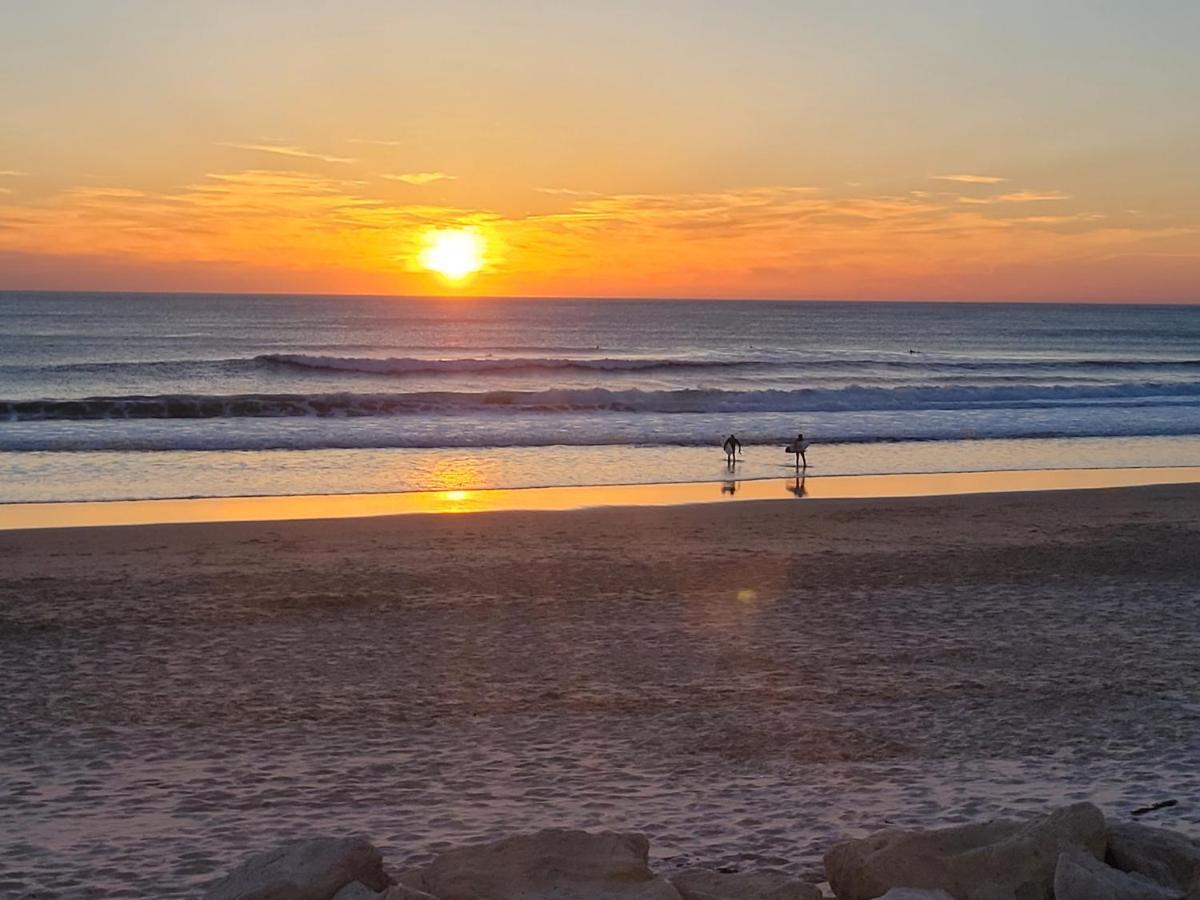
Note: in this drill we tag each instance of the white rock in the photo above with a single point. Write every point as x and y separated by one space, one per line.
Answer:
703 884
1000 860
555 863
314 869
1080 876
1164 856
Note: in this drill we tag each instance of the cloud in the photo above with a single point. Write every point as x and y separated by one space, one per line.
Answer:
11 173
773 240
287 150
104 193
375 143
970 179
418 177
1018 197
1062 220
565 192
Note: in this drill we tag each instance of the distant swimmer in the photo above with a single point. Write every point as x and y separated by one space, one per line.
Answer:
798 447
732 447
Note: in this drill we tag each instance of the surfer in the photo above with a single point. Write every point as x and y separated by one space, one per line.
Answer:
798 447
732 447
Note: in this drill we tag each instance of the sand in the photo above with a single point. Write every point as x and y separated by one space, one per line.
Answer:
744 683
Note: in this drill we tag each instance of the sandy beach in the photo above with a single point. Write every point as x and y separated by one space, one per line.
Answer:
744 683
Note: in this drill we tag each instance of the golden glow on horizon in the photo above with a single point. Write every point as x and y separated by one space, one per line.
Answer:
453 253
245 230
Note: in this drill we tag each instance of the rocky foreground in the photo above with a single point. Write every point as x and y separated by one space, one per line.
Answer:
1071 854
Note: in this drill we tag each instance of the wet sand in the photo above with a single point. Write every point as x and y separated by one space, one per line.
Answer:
743 682
732 489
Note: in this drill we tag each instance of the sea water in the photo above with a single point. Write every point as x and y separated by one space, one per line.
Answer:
106 396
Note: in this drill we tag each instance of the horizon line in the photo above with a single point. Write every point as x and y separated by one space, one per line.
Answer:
607 298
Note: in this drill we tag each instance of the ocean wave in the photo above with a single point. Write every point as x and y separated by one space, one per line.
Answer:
601 400
474 433
870 366
416 366
912 363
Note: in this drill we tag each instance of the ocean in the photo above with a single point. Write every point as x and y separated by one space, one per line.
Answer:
111 396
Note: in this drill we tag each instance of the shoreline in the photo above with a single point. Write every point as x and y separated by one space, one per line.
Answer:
184 510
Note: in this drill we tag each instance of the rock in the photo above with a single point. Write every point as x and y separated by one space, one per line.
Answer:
314 869
1080 876
555 863
356 890
1164 856
411 878
915 894
999 860
404 892
703 884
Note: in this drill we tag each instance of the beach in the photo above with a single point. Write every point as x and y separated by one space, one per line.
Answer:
745 683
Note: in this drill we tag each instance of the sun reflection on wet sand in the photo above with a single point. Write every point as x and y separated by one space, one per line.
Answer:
455 499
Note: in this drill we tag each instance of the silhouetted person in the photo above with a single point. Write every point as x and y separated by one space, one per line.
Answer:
732 447
798 448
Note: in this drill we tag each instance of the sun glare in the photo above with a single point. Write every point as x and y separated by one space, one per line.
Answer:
453 253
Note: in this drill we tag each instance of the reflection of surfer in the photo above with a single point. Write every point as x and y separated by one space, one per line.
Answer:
798 447
797 487
732 447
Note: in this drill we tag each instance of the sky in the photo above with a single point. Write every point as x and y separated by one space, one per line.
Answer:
896 149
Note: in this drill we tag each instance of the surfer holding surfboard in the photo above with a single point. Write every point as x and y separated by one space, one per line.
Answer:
732 447
798 447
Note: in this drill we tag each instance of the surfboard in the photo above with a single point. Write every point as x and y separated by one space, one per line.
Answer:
792 448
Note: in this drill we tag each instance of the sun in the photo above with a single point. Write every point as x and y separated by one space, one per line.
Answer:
454 253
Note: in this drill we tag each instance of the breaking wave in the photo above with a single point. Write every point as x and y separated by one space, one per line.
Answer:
414 366
600 400
417 366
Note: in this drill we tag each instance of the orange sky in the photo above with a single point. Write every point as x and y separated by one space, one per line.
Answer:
672 149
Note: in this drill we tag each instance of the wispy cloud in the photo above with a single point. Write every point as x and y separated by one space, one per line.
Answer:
970 179
105 193
418 177
565 192
287 150
1018 197
1062 220
12 173
762 241
375 143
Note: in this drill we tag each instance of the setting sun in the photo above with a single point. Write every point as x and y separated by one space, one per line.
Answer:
453 253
